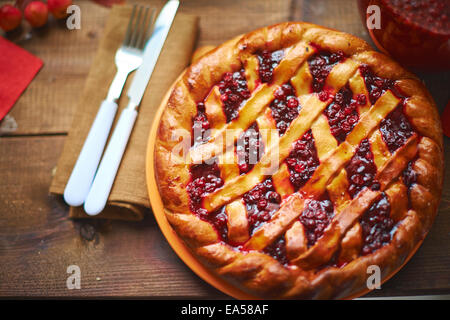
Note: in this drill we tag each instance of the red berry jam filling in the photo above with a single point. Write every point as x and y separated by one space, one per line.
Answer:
267 62
302 160
285 107
205 178
233 91
342 113
219 220
376 225
430 14
261 202
395 129
315 218
200 128
320 65
249 149
277 250
361 169
374 84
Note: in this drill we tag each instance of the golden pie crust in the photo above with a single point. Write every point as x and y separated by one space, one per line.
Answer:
309 274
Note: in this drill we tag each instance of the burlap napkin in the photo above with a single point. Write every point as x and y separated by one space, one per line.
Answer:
128 198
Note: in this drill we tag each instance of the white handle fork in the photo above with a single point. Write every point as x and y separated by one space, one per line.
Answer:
83 173
104 179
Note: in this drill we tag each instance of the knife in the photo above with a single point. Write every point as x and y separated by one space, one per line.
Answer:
107 170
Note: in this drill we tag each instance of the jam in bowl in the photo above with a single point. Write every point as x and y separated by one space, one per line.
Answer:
414 32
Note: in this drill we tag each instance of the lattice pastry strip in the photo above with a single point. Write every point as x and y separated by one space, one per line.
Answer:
237 221
214 109
251 72
326 246
238 227
258 101
311 108
328 169
352 242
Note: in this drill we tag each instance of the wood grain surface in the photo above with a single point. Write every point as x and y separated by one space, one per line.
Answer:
38 242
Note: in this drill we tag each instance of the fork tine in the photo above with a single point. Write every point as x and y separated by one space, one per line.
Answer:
135 34
142 29
147 26
151 25
126 40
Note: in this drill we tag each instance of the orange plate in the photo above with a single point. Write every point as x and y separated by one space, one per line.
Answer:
178 245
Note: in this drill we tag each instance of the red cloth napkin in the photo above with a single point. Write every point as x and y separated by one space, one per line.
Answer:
17 68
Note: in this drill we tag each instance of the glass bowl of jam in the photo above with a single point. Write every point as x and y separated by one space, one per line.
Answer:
416 33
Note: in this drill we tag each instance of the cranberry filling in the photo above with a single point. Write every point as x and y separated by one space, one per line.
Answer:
261 202
320 65
205 178
432 15
249 149
395 129
285 107
267 62
361 169
233 91
302 160
219 220
342 113
374 84
277 250
316 217
200 128
376 225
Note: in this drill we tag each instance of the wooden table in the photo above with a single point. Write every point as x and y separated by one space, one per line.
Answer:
37 240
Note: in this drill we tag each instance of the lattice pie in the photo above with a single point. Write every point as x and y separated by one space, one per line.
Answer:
292 158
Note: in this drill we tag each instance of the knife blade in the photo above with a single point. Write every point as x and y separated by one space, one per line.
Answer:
107 170
152 52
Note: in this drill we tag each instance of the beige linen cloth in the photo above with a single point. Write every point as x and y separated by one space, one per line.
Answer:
129 197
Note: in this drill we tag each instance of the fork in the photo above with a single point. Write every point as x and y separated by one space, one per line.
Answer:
128 58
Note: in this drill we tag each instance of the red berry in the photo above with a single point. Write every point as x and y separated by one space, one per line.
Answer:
228 77
274 197
361 99
292 103
287 89
348 110
262 204
224 97
299 168
323 96
291 162
10 17
243 167
36 13
59 7
205 125
279 94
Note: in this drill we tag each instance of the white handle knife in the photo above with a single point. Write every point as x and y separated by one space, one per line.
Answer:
104 179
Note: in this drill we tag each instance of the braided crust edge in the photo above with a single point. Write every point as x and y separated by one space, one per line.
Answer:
256 272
